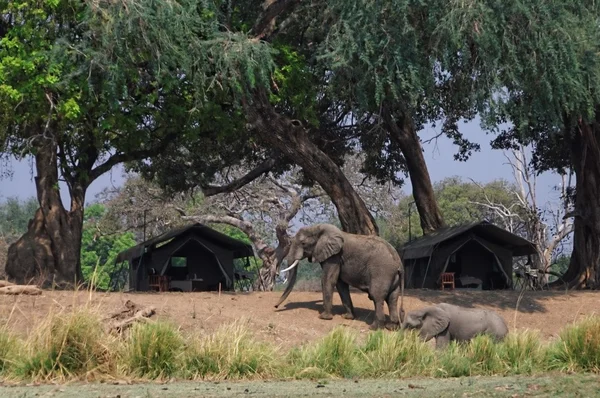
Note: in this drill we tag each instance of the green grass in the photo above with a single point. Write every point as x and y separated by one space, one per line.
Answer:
66 346
229 353
153 350
334 355
578 347
76 346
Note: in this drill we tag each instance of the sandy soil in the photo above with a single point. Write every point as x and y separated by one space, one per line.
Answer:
296 321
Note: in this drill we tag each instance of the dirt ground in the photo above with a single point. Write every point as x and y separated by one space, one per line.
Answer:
296 320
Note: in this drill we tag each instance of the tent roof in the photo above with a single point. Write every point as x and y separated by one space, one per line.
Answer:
239 248
425 245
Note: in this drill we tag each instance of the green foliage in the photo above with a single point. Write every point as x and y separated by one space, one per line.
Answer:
99 251
460 202
15 215
560 266
533 64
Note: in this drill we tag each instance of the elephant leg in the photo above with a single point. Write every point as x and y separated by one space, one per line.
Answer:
344 291
392 303
329 279
442 340
379 321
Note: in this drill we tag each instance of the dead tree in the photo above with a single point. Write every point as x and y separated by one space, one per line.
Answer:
548 226
269 203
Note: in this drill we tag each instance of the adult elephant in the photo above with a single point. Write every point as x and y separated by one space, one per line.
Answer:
366 262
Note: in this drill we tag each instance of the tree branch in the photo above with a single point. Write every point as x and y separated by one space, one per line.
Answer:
262 168
265 22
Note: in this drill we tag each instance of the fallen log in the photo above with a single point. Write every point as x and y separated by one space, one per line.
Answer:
30 290
6 283
140 316
133 313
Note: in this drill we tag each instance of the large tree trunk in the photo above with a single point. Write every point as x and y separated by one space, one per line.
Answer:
50 249
584 268
291 139
402 131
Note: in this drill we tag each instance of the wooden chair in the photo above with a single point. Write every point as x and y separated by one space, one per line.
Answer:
448 279
159 283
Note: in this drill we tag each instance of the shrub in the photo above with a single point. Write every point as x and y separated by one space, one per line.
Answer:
230 352
153 350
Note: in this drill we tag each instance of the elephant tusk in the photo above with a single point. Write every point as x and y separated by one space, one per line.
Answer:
291 266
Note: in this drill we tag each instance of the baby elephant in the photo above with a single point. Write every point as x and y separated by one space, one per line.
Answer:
448 322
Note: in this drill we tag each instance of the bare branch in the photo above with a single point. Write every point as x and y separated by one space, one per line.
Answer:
236 184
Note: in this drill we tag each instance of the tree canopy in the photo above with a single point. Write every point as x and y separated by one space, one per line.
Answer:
536 65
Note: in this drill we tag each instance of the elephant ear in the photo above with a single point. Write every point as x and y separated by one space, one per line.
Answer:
330 243
435 321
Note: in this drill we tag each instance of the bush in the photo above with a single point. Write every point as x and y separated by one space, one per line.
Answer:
230 352
578 347
66 346
153 350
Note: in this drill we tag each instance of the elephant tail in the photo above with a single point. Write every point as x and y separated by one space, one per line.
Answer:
401 274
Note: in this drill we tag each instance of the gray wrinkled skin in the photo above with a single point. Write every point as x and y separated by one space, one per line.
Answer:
447 322
368 263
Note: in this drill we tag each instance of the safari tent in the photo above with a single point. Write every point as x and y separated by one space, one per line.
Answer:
191 258
480 255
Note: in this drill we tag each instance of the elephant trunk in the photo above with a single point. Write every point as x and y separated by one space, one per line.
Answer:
289 287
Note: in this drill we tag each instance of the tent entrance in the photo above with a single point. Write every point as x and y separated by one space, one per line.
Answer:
476 266
194 267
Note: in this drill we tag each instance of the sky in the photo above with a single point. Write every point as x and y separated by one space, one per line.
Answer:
483 166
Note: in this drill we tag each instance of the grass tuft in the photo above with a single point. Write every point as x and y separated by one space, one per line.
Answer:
9 350
153 350
229 353
578 347
522 353
66 346
401 353
334 355
480 356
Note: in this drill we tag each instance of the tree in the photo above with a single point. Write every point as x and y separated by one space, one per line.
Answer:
15 215
312 114
71 99
544 225
535 64
99 251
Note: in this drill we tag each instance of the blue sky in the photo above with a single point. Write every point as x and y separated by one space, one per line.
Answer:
483 166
